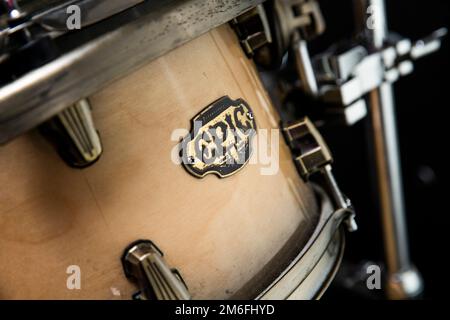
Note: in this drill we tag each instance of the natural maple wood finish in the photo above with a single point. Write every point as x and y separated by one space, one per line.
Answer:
219 233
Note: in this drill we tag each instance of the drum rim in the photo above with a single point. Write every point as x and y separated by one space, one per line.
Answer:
330 222
335 269
45 91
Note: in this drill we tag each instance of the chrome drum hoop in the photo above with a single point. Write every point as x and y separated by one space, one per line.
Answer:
313 269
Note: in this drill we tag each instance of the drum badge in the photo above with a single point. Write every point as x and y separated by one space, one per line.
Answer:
221 139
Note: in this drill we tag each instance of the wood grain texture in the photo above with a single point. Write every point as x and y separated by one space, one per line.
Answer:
219 233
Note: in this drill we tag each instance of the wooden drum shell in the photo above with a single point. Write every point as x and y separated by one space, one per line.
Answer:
221 234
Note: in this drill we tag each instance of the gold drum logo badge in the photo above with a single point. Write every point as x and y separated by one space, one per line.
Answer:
221 139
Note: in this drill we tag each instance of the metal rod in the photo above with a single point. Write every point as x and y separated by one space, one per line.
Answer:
402 281
389 178
304 67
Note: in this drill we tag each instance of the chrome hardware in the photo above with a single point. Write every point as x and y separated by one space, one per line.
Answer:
11 8
299 16
406 283
252 29
143 262
403 281
341 202
292 282
356 72
358 79
313 156
53 21
304 67
345 76
314 153
314 160
44 91
73 133
299 21
93 11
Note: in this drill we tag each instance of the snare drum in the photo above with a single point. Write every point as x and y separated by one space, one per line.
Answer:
68 233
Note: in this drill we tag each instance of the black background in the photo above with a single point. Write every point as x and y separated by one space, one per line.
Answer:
421 103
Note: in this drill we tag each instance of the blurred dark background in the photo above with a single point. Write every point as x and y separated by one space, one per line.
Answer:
421 100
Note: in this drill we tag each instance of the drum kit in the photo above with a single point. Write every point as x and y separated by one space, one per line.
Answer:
132 134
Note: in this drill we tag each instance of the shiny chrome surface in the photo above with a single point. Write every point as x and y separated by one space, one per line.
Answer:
92 11
389 178
293 282
44 92
144 263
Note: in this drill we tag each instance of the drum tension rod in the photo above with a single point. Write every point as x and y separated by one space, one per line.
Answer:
313 156
74 135
143 263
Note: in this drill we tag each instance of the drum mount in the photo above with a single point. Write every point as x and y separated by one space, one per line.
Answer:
354 79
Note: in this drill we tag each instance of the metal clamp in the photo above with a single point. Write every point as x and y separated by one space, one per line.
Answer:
144 263
344 75
355 72
313 156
